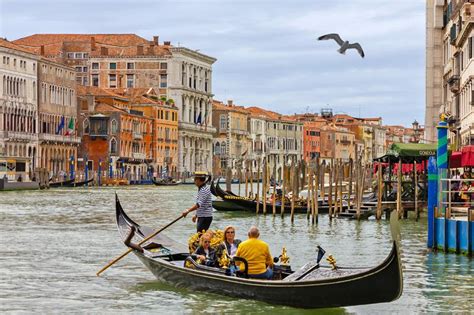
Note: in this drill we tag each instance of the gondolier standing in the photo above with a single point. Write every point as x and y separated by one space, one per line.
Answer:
203 203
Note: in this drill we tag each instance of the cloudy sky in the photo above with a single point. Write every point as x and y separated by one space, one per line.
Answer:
267 51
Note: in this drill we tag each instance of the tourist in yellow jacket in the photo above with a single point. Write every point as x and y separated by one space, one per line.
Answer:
257 254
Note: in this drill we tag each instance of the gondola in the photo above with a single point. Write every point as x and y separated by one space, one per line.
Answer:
79 184
232 202
65 183
312 286
165 183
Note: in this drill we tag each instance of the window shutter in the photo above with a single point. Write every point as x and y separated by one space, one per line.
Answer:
470 47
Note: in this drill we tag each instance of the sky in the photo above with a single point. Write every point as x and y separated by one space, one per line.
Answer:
267 51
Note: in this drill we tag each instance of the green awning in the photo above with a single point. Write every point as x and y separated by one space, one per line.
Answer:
408 152
412 149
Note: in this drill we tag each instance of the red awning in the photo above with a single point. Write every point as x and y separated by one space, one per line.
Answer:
467 156
455 160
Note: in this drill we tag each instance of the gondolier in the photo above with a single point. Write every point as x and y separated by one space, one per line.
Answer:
203 203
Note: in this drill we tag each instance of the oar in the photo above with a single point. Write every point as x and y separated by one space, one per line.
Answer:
143 241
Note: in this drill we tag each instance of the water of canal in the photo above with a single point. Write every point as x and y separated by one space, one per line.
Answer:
53 242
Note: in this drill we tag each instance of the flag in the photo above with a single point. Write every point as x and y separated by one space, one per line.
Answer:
70 127
60 126
198 119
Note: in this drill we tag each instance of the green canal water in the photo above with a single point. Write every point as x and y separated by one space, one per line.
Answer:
53 242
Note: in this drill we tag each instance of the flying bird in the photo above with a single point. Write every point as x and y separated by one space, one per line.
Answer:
344 44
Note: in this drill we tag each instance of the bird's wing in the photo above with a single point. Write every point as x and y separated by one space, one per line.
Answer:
358 47
334 36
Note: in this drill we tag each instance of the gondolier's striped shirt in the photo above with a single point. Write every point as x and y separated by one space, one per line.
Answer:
204 201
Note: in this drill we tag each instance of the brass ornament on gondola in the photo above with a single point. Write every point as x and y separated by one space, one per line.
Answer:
284 258
332 261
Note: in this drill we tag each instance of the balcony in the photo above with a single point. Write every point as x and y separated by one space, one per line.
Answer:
453 82
44 137
239 131
139 156
21 136
137 136
345 142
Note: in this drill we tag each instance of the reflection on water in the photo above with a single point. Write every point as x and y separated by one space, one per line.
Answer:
54 241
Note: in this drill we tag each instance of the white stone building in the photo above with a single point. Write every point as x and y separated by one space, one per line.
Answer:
450 69
18 111
190 86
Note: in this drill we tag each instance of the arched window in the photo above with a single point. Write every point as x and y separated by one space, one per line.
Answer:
85 127
113 146
217 149
114 126
223 148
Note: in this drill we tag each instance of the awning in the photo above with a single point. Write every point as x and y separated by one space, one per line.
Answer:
408 153
413 149
455 160
467 158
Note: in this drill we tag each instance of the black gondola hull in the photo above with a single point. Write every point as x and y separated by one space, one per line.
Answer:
378 286
320 288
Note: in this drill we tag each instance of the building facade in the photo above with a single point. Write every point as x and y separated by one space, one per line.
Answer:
57 118
116 139
179 74
449 69
18 112
190 86
231 141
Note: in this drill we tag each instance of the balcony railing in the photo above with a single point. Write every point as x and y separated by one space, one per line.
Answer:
140 156
137 136
17 135
58 138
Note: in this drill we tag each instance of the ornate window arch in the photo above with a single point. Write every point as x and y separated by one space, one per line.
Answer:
113 146
85 127
217 149
114 126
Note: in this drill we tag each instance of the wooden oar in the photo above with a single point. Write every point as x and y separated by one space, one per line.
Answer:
143 241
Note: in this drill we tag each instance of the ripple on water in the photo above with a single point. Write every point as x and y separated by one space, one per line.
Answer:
54 242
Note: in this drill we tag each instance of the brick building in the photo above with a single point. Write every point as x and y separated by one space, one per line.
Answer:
115 136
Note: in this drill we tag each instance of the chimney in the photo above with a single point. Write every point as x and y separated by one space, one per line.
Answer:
230 103
42 50
104 51
93 43
140 50
156 40
167 43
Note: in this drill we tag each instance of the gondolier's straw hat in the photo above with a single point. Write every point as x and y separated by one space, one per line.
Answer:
201 174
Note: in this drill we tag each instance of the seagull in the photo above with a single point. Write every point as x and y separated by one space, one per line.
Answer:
344 44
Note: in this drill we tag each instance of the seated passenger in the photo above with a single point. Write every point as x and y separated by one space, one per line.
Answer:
231 243
204 252
257 254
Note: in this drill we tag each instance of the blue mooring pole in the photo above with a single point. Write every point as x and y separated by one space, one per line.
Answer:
442 164
432 199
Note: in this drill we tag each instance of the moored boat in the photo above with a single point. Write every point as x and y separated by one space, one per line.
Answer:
79 184
165 182
65 183
312 286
